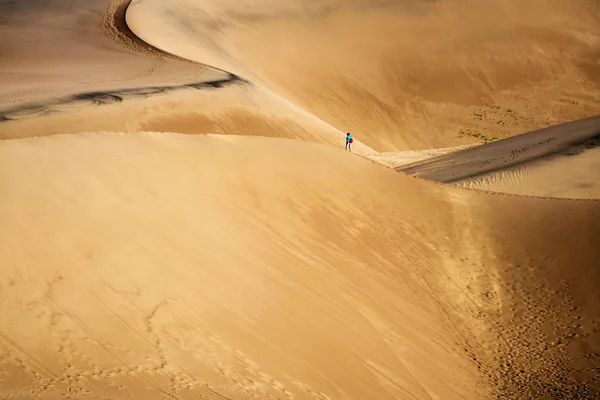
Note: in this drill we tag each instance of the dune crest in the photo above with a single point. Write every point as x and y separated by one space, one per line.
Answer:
402 75
96 75
560 161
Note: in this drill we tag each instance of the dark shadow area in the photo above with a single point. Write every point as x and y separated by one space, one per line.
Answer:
570 138
32 110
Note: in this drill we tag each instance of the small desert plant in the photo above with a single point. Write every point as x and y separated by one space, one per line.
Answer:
476 134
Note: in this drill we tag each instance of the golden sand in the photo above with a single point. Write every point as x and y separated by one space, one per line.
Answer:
179 230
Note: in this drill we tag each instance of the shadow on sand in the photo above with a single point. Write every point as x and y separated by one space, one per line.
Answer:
100 98
570 138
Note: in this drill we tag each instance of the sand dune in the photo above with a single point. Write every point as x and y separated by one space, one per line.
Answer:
81 50
199 275
402 75
395 159
571 175
560 161
141 264
202 275
76 66
229 107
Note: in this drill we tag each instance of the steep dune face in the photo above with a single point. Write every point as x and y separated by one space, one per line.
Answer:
559 161
75 66
400 74
224 107
210 271
198 275
51 49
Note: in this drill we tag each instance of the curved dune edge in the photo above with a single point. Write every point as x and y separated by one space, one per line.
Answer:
237 108
570 176
557 160
78 47
503 150
470 296
115 27
398 93
190 121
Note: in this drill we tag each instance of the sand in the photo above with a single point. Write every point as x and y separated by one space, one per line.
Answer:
571 175
170 281
401 75
180 230
560 161
150 281
84 70
402 158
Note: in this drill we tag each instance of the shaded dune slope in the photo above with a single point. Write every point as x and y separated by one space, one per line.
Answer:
574 173
558 161
507 153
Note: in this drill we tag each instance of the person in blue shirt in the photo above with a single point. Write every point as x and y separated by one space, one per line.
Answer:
349 141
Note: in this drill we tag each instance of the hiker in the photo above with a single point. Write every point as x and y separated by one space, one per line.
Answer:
349 141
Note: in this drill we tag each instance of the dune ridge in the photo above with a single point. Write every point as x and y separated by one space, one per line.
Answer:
505 72
571 178
491 93
158 90
558 161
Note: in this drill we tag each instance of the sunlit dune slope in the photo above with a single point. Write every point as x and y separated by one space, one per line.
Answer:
74 66
157 265
226 266
229 265
406 74
234 107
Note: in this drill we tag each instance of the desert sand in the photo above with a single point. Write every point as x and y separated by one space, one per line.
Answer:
560 176
560 161
179 218
401 74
